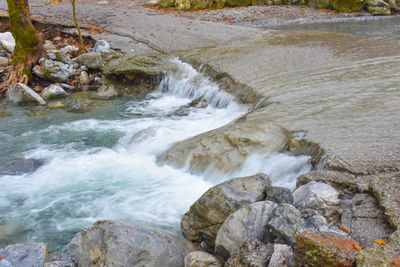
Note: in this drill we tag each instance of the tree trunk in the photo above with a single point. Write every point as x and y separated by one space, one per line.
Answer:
28 47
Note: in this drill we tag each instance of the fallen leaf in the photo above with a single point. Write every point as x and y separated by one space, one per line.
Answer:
344 229
357 246
380 242
396 262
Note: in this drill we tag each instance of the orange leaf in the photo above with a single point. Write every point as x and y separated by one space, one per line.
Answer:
380 242
344 229
357 246
396 262
1 257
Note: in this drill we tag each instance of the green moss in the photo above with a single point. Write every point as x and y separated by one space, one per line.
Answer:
347 6
46 72
58 56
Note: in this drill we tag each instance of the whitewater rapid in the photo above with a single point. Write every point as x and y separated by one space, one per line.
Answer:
107 168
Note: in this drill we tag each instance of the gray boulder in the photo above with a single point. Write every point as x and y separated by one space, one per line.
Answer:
279 195
78 105
226 149
378 7
7 41
53 91
91 60
248 222
59 264
201 259
20 166
252 253
204 218
52 70
282 256
286 224
20 93
25 254
315 195
100 46
108 243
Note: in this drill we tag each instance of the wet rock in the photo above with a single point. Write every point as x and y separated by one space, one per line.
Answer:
378 7
53 91
225 149
282 256
25 254
152 64
78 105
108 89
7 41
201 259
182 4
52 70
20 166
251 253
55 105
315 195
325 4
166 3
347 6
37 111
108 243
20 93
59 264
393 5
5 263
286 224
100 46
315 221
248 222
84 78
91 60
205 217
279 195
325 249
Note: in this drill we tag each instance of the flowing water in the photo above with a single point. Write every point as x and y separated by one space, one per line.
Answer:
103 164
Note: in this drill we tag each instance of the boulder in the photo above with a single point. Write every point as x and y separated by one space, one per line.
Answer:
226 149
166 3
325 249
204 218
100 46
282 256
5 263
201 259
252 253
20 166
25 254
91 60
52 70
347 6
108 89
393 5
378 7
149 65
78 105
182 4
108 243
279 195
84 78
59 264
7 41
315 221
20 93
53 91
248 222
286 224
55 105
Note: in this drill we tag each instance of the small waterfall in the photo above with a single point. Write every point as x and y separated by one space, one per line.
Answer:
189 83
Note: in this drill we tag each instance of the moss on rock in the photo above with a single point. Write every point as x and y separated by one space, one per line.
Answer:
348 6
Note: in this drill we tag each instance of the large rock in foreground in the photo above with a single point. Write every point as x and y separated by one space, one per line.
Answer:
108 243
252 253
25 254
225 149
205 217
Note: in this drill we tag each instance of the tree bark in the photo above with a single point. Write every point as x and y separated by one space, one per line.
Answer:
28 47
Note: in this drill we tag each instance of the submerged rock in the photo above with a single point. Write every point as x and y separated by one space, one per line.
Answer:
226 149
108 243
25 254
20 93
53 91
52 70
78 105
248 222
205 217
252 253
201 259
20 166
325 249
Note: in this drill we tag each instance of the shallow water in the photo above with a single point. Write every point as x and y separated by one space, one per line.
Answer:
103 164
